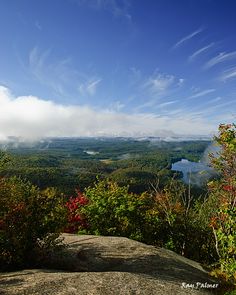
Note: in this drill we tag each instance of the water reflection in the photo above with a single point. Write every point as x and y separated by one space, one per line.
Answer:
195 172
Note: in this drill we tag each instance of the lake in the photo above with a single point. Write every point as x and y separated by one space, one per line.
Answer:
197 172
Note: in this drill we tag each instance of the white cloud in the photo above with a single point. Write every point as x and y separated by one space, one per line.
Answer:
228 74
89 87
186 38
199 51
221 57
202 93
31 117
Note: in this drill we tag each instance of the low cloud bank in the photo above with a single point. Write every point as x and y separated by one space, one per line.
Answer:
32 118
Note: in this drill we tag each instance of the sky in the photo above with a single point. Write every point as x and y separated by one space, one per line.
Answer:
116 67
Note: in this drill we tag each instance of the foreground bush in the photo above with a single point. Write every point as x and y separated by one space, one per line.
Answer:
112 210
30 221
75 220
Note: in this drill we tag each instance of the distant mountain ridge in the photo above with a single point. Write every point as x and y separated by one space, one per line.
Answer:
20 140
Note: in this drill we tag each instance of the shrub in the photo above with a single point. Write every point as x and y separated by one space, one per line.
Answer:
30 222
112 210
75 219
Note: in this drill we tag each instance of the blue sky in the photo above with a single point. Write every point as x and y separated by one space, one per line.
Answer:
116 67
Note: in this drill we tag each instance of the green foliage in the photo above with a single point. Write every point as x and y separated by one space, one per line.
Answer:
112 210
233 292
30 221
169 217
137 180
65 165
5 159
223 221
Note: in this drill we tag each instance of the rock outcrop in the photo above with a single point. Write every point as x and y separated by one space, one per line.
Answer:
110 265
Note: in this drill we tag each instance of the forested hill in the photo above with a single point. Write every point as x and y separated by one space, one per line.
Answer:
69 163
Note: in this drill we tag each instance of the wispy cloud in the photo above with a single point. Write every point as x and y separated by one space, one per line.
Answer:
221 106
214 100
202 93
53 75
160 83
221 57
60 75
203 107
89 87
214 107
200 51
186 38
37 59
158 87
146 105
115 7
228 74
167 103
154 104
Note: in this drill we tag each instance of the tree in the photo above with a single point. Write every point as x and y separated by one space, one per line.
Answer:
138 180
182 227
223 191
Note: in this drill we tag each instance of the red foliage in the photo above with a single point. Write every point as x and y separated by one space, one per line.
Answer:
75 219
228 188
